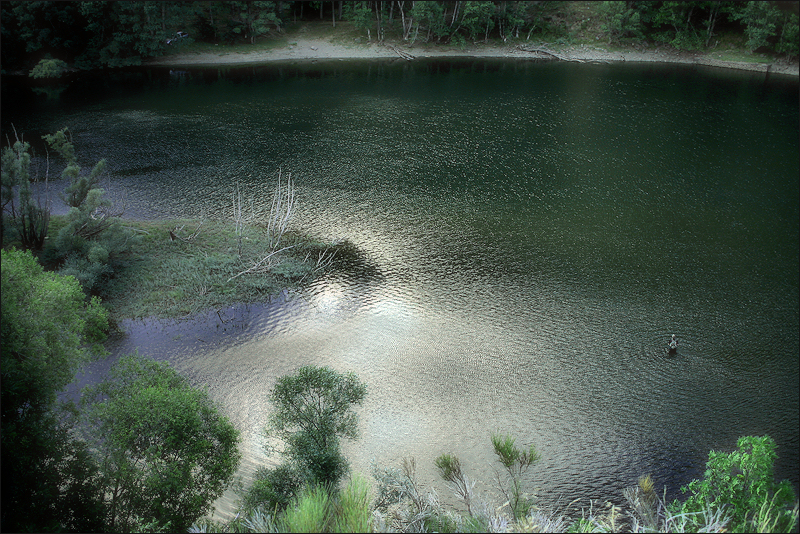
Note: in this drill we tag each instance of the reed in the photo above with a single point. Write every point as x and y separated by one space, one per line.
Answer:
353 509
310 512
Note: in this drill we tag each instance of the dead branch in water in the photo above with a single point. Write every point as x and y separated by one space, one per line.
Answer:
324 260
259 265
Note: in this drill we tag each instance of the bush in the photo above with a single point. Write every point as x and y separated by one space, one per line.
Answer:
622 20
49 331
48 68
92 240
742 482
272 489
312 411
164 450
309 512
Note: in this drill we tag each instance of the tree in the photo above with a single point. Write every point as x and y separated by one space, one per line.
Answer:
477 17
31 218
516 463
312 412
48 68
762 21
32 30
788 42
742 482
361 16
512 16
678 15
429 15
165 453
254 18
93 238
48 332
624 19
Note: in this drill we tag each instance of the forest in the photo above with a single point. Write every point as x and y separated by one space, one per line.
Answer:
60 36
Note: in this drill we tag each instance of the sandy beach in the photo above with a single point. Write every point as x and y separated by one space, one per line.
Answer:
308 48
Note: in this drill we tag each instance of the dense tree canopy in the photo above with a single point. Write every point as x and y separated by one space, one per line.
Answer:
165 453
100 34
148 451
46 325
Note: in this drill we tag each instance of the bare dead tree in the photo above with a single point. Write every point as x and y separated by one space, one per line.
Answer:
281 211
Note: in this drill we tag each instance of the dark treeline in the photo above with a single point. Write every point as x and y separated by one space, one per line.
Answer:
86 35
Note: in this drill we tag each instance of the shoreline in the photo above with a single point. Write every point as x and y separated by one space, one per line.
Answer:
305 49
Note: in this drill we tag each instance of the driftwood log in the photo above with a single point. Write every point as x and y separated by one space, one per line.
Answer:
547 53
550 54
404 55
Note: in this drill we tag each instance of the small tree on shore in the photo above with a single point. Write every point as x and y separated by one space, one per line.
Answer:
164 450
313 410
516 462
30 217
93 239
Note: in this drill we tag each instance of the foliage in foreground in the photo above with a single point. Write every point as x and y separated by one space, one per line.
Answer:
165 452
748 502
49 331
742 483
148 452
312 412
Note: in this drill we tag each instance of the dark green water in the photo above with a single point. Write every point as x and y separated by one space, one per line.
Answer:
532 234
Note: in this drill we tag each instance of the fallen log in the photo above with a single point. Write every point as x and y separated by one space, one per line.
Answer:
548 53
404 55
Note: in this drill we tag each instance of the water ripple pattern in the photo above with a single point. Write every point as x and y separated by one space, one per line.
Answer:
529 237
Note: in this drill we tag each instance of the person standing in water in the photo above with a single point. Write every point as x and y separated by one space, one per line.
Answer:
673 344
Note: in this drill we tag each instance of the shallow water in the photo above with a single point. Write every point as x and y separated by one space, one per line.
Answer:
530 235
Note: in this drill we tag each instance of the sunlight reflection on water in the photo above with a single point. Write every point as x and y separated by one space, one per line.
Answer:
522 260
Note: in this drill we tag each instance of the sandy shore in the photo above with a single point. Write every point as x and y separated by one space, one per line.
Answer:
323 49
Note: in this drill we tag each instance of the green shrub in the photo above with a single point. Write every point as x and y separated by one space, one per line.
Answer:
622 20
312 411
353 513
309 512
516 462
272 489
742 482
48 68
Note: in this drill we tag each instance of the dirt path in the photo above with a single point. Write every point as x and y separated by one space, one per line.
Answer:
305 48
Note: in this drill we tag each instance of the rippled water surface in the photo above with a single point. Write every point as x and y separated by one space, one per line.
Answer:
529 235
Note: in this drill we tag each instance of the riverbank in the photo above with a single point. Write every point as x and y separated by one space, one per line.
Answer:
306 44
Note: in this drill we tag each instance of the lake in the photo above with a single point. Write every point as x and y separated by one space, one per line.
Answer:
529 236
